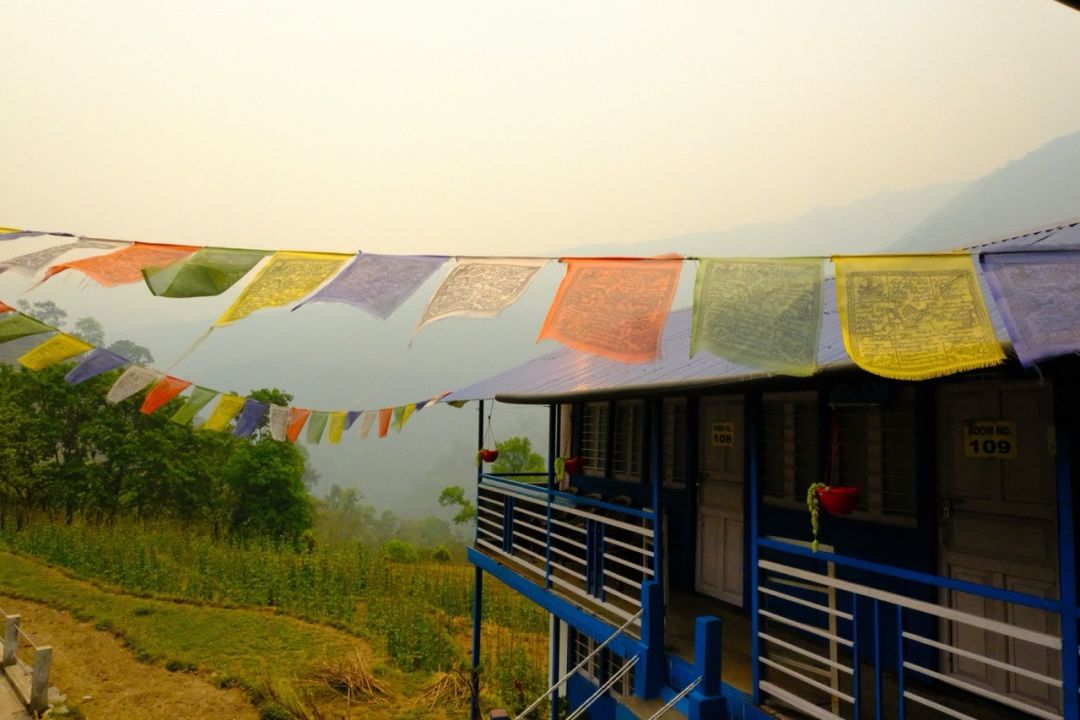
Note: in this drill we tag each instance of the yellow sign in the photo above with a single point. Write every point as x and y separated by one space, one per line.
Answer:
722 434
990 439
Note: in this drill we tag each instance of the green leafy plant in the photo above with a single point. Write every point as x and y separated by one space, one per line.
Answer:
814 506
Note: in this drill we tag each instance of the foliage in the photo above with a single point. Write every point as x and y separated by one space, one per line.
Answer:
132 351
90 330
516 456
813 505
401 551
454 495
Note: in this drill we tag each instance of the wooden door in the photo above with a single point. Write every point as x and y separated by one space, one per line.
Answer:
720 499
997 509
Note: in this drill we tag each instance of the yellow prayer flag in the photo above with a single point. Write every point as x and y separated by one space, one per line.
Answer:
914 317
336 426
55 350
407 413
286 278
227 408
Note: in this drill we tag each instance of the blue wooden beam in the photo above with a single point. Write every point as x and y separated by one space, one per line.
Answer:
1067 575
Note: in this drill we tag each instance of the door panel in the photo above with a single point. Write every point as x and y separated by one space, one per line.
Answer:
720 499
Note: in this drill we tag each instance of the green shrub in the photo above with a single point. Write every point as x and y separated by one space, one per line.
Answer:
401 551
440 554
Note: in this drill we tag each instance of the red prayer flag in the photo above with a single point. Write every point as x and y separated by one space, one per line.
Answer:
126 264
385 415
297 418
163 391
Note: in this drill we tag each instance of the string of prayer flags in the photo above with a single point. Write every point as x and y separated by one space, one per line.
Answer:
31 264
366 421
613 307
378 284
1038 295
134 379
250 416
402 415
200 397
210 271
763 314
227 408
162 392
351 416
287 277
315 426
13 234
279 422
57 349
297 418
384 421
335 427
124 265
914 317
96 362
480 287
16 325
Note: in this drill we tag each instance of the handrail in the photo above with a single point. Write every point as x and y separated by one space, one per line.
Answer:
615 677
580 665
570 498
1032 601
672 702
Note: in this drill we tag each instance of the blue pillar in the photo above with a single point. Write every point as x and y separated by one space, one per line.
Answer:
478 596
753 412
656 477
649 673
705 701
555 669
1067 574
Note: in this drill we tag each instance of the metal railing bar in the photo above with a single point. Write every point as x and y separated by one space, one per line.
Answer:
797 702
600 691
621 596
1032 636
628 546
611 573
574 499
805 653
908 695
611 522
809 681
811 587
805 603
569 556
568 526
806 628
674 701
983 659
982 692
626 563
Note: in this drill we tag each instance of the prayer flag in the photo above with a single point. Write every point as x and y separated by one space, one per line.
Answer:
1038 295
914 317
33 263
613 307
250 416
335 427
480 288
397 423
210 271
134 379
5 308
126 264
57 349
761 314
316 425
17 325
163 391
378 284
384 421
226 409
95 363
287 277
350 418
279 422
199 398
366 422
297 418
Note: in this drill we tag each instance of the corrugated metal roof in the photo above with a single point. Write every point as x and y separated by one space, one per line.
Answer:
566 373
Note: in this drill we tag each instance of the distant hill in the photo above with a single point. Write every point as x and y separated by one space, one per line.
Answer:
1041 188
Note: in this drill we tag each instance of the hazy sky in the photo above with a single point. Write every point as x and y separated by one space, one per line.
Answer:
507 127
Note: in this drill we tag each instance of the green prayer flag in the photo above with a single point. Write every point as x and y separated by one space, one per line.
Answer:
199 398
17 325
210 271
315 425
763 314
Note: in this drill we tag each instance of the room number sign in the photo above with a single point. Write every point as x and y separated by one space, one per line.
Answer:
990 439
722 434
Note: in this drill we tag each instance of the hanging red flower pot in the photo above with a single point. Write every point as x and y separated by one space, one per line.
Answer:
574 465
489 456
837 500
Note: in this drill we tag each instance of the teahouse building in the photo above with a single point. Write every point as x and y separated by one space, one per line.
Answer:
675 557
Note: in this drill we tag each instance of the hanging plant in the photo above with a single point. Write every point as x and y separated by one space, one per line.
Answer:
490 453
813 505
560 468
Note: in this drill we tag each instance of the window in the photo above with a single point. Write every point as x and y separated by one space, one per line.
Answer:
612 664
581 646
594 430
600 666
626 439
674 451
789 445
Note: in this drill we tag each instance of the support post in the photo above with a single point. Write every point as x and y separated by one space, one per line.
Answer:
478 598
39 680
753 413
556 671
649 673
553 430
11 639
705 701
656 476
1070 674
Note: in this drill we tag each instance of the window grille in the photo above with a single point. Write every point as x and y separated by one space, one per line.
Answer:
594 431
626 440
675 439
789 445
581 647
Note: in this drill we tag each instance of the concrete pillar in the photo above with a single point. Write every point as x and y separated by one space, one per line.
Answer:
11 639
705 701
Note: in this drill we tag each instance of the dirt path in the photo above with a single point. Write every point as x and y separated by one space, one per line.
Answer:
89 663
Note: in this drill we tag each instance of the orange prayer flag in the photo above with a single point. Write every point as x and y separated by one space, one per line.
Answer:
385 415
126 264
163 391
297 418
615 307
4 307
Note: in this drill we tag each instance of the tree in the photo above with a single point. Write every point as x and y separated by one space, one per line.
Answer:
132 351
265 479
90 330
516 456
454 496
46 311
